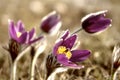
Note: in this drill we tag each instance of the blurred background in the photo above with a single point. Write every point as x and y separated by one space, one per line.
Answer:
71 11
32 11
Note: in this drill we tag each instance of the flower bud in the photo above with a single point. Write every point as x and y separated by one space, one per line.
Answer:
95 22
51 23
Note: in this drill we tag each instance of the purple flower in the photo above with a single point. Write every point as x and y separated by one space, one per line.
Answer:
51 23
17 32
64 53
95 22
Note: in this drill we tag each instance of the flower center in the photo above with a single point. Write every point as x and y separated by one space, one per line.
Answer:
19 34
64 50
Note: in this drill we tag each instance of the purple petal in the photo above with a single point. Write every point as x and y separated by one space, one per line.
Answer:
66 33
31 33
56 46
79 55
65 62
12 31
22 38
49 22
98 26
94 16
39 38
91 20
20 26
69 42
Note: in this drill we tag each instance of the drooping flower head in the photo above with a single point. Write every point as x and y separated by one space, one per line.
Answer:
17 32
51 23
64 53
95 22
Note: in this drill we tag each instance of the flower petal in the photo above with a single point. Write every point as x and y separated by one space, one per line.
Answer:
93 19
79 55
22 38
39 38
94 16
98 26
12 31
66 33
20 26
69 42
65 62
31 33
56 46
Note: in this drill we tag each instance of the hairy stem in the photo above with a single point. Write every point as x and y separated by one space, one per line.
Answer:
14 67
38 52
77 30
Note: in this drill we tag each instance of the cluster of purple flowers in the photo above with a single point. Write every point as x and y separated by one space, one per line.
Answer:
62 50
63 53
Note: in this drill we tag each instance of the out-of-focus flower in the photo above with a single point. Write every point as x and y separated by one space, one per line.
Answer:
95 22
116 56
64 53
17 32
51 23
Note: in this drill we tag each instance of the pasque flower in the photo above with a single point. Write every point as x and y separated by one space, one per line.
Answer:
17 32
64 53
51 23
95 22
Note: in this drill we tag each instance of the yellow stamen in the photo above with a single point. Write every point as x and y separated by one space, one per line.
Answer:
61 49
68 54
64 50
19 34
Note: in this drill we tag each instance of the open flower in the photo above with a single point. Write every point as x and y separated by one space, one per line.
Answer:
51 23
95 22
17 32
64 53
